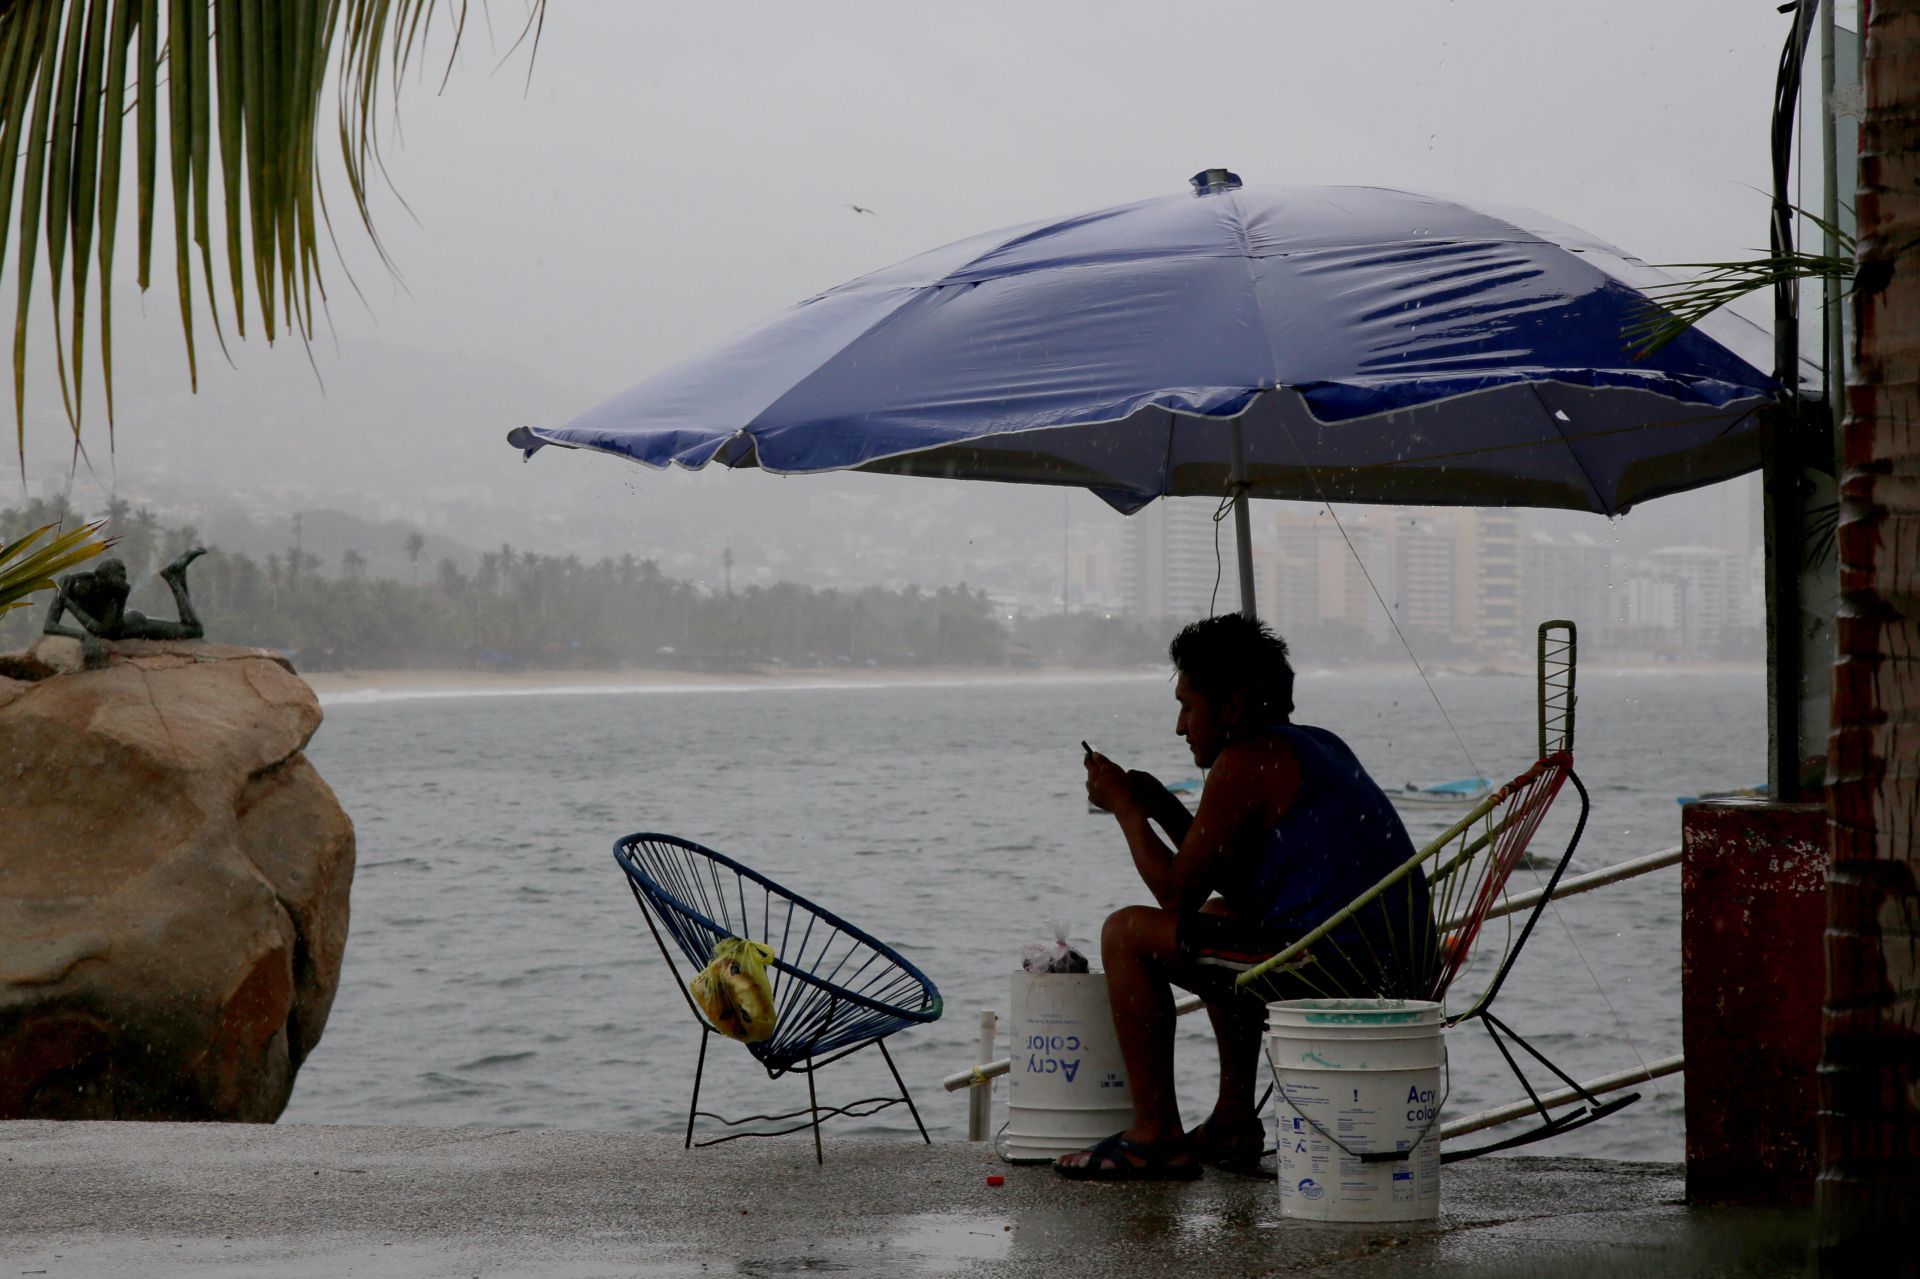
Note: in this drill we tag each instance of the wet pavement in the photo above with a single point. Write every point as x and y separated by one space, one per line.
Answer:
102 1200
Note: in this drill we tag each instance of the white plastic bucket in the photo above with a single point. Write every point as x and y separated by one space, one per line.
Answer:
1354 1077
1067 1087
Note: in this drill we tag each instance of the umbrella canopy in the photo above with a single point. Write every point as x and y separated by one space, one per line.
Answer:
1357 343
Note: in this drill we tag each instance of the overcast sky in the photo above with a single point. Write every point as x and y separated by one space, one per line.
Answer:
676 172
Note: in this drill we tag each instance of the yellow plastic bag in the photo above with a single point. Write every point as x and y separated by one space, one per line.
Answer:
734 992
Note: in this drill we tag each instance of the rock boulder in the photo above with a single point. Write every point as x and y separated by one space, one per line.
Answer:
173 886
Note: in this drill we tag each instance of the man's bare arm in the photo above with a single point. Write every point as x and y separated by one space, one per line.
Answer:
89 631
1240 792
1161 805
1131 801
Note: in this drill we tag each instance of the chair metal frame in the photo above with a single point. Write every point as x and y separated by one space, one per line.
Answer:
818 1019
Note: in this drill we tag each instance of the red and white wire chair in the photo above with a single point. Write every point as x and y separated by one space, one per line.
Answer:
1411 953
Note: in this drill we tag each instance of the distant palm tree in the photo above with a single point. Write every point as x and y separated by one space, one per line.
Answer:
142 538
242 83
416 543
133 534
178 541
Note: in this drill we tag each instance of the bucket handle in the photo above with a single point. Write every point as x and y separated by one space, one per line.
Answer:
1375 1156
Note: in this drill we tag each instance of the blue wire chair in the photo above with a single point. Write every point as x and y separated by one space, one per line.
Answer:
836 989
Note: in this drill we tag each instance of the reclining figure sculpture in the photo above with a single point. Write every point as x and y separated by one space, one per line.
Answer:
97 600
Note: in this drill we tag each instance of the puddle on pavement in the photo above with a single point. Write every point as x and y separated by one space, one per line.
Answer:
952 1236
919 1243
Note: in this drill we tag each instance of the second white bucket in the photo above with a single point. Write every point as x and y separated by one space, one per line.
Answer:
1354 1077
1067 1087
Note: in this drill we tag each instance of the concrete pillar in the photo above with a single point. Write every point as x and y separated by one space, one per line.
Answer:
1753 902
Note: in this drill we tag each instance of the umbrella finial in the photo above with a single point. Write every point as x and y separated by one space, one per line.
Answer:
1214 181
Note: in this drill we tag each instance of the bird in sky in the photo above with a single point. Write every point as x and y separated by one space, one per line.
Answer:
861 208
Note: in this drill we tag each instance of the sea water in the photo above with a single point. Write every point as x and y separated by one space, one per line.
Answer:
498 971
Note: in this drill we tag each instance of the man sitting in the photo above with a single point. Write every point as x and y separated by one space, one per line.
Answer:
1290 830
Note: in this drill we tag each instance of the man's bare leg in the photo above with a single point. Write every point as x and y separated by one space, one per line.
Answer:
1235 1124
175 576
1138 947
1239 1027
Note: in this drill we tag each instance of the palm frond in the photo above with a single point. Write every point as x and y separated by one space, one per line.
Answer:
26 569
232 92
1672 309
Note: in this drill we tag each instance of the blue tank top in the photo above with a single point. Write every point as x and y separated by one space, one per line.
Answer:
1338 838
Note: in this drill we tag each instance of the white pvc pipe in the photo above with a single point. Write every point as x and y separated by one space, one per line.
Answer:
1581 884
980 1103
1521 1109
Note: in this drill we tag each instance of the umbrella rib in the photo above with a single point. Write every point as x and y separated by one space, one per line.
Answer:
1253 292
1599 498
1166 456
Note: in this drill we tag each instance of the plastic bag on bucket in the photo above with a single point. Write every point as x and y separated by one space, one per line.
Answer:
734 992
1056 956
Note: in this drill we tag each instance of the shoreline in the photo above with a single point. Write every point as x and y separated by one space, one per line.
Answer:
350 687
356 687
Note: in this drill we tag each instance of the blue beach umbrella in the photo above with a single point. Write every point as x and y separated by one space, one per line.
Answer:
1316 343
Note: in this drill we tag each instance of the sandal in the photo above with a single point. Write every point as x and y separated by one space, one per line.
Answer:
1241 1153
1108 1160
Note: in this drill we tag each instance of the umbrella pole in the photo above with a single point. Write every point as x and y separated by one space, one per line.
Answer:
1242 522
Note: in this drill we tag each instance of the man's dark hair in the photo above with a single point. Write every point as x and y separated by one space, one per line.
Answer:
1233 653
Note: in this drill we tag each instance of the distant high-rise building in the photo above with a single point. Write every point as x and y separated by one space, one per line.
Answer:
1093 570
1566 578
1356 562
1735 513
1647 611
1320 572
1168 564
1496 622
1750 613
1693 601
1425 575
1710 585
1288 582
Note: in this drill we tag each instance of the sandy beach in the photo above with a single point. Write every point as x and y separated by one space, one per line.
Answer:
381 685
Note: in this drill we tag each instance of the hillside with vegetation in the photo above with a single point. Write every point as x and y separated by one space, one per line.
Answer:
519 610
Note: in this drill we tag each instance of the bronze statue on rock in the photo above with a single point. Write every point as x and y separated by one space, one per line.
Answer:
97 600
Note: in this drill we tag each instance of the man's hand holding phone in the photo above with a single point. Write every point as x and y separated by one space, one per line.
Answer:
1107 784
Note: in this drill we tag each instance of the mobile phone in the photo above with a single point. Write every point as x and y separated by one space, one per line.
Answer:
1083 746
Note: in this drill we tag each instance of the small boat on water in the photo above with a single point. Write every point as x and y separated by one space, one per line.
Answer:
1458 793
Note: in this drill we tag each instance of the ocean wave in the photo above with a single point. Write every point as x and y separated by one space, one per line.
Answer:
496 1059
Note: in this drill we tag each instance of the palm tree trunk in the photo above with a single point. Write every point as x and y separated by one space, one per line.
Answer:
1870 1071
